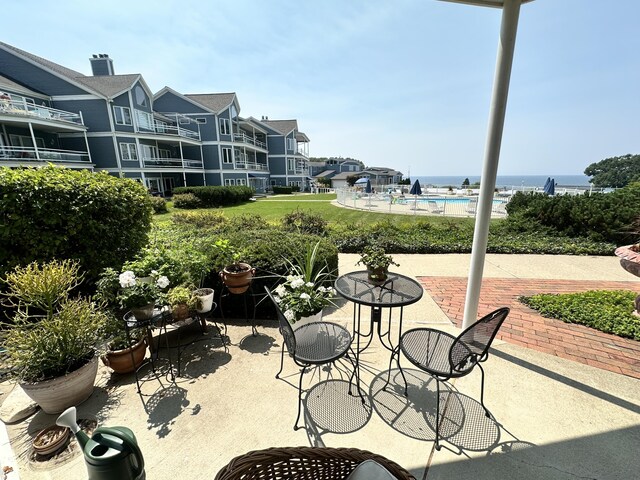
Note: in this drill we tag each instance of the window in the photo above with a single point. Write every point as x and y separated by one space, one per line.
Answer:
225 129
229 181
148 151
164 153
161 127
291 144
291 163
141 98
144 120
274 183
201 120
24 141
241 181
184 121
128 151
226 155
122 115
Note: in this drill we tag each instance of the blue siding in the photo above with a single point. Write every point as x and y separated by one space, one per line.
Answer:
35 77
102 153
224 114
210 156
213 178
94 112
277 166
122 101
172 103
276 144
194 179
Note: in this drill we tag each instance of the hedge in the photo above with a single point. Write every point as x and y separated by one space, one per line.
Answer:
281 190
57 213
215 196
601 216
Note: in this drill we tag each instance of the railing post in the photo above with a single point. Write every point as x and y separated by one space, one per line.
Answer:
33 139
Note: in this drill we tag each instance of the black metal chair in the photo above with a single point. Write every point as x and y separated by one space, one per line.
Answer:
312 344
444 356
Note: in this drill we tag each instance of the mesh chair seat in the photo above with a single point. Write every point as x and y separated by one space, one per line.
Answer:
428 349
321 342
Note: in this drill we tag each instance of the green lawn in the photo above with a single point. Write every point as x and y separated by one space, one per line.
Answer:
274 208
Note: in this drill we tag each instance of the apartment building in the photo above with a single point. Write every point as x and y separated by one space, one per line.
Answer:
112 122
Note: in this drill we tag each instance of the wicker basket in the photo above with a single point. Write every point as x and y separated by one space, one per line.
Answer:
308 463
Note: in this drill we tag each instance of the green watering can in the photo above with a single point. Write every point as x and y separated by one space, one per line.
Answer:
110 453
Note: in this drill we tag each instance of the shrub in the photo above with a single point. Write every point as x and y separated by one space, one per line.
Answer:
282 190
607 311
216 196
159 205
302 222
206 219
186 200
52 212
600 217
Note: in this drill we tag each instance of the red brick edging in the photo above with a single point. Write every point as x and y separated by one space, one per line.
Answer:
526 327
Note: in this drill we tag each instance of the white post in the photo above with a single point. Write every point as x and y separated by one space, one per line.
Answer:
506 46
33 139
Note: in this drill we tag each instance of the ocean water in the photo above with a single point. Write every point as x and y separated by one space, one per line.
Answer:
506 181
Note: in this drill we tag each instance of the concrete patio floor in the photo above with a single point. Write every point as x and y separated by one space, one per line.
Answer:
553 418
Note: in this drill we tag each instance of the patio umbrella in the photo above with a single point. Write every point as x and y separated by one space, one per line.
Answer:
367 190
550 188
415 190
546 184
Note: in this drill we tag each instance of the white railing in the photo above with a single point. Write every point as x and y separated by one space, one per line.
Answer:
251 166
42 155
170 130
13 107
438 205
243 138
171 162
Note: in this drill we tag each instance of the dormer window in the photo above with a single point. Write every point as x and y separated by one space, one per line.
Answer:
225 129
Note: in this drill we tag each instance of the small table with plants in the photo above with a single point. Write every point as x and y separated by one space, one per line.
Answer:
396 291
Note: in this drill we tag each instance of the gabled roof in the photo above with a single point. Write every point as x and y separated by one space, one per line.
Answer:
284 127
67 72
216 102
110 85
326 173
301 137
344 175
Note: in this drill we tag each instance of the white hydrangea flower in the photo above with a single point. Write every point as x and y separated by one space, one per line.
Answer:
305 296
281 290
333 291
127 279
297 283
290 278
289 315
154 272
277 299
162 282
321 289
309 284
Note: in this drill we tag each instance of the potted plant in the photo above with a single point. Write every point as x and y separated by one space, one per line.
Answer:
120 349
377 263
306 290
53 340
204 298
182 301
236 275
138 294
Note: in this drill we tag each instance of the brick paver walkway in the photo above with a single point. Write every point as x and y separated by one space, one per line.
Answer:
525 327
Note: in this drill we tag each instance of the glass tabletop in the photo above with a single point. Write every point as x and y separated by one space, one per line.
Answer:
396 291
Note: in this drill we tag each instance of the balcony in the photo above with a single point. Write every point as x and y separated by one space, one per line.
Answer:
246 139
30 110
171 163
29 154
146 124
251 166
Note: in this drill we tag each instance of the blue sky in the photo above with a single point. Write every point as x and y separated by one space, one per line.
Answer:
403 83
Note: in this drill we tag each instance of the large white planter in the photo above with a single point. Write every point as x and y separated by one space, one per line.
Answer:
206 299
58 394
311 319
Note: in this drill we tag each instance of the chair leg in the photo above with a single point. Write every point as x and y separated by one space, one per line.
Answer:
486 411
302 372
281 361
437 414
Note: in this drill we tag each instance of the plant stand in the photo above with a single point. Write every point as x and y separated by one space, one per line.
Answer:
161 316
226 293
630 261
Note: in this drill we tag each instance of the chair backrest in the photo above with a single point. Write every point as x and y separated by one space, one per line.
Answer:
285 327
472 345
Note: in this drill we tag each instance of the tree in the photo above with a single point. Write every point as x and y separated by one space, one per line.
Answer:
465 182
615 172
351 180
406 181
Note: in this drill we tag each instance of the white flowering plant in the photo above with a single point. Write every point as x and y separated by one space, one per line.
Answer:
298 298
304 291
128 291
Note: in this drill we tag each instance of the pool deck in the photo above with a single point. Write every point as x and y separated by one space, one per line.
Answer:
415 206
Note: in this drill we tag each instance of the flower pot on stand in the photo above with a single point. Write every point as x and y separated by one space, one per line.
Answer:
377 276
205 299
180 312
237 277
143 313
316 317
630 260
120 360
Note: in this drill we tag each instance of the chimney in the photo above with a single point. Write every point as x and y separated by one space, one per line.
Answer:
101 64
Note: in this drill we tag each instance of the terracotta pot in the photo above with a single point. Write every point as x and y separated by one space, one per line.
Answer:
377 276
143 313
180 312
58 394
120 360
205 297
629 259
50 440
238 277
